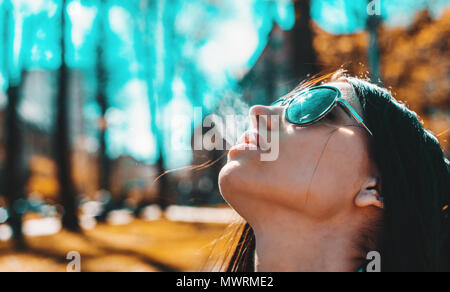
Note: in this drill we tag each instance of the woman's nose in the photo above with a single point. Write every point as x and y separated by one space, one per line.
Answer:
265 116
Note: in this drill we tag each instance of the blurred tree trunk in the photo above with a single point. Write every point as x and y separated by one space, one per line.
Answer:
104 161
304 59
163 184
62 142
168 12
13 135
153 10
372 25
13 165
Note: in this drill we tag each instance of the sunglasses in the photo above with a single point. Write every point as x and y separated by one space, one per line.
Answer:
313 104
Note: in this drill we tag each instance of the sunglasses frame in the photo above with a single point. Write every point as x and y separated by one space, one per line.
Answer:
338 100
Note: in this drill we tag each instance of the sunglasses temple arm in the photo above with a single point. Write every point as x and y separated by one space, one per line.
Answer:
350 109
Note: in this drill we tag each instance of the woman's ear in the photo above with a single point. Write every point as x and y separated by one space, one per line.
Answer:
369 194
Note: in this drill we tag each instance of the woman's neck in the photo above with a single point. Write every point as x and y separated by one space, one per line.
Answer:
306 246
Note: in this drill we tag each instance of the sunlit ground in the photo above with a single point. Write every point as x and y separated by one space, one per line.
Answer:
139 245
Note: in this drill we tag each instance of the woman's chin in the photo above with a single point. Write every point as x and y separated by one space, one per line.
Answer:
229 177
228 171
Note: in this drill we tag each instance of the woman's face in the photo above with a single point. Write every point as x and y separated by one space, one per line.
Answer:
319 171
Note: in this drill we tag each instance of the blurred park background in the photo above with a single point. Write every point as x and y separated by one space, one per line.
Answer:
88 88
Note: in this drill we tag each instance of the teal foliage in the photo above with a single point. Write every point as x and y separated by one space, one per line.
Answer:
161 58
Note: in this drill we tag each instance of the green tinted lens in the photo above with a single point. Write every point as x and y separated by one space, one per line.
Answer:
311 105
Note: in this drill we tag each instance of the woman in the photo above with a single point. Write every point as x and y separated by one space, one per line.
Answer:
356 172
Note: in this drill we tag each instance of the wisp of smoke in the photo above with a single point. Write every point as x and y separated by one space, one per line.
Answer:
233 114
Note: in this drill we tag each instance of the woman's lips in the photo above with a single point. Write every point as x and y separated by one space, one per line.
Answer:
250 137
250 140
